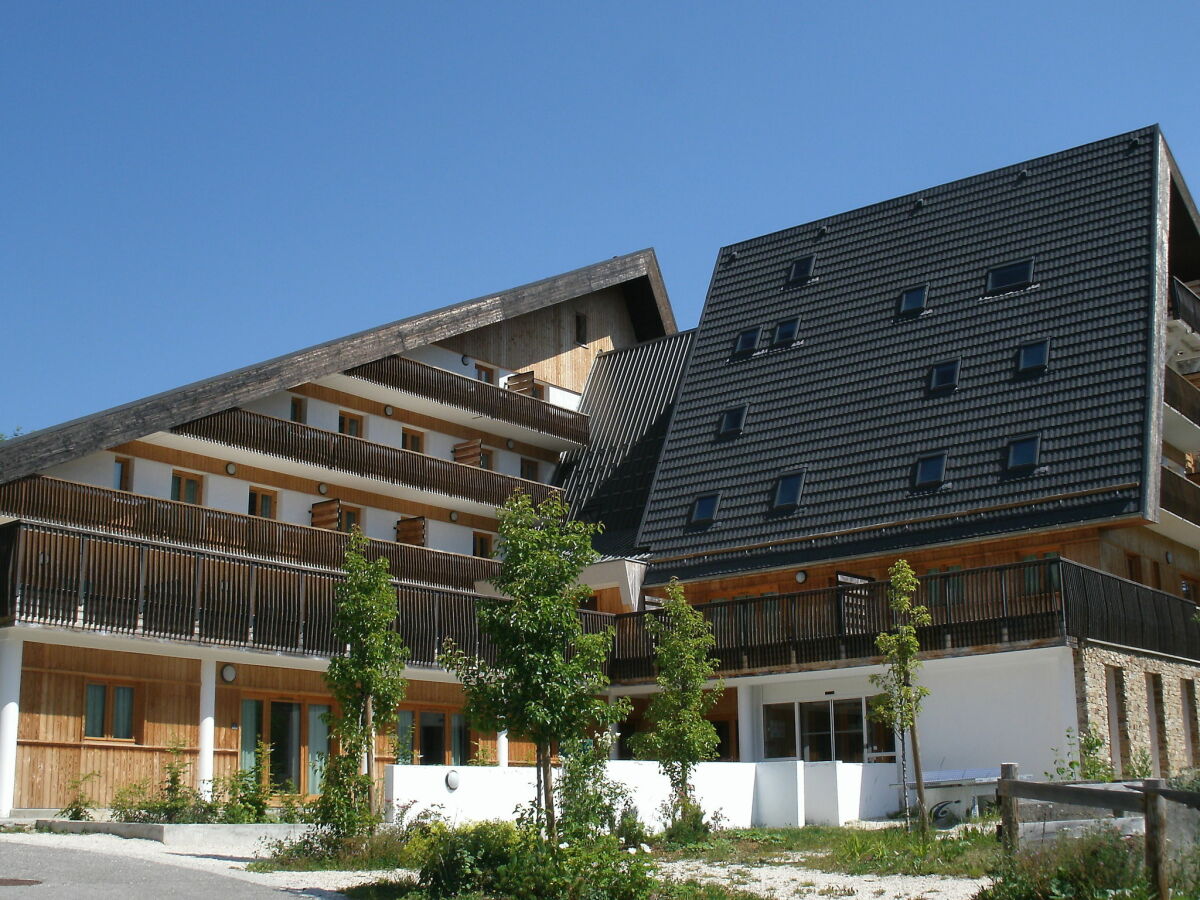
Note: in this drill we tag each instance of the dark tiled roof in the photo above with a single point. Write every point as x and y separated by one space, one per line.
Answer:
849 401
629 396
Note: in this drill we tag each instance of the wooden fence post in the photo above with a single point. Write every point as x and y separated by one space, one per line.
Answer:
1009 809
1156 838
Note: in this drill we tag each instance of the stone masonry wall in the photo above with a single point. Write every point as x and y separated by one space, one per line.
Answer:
1179 732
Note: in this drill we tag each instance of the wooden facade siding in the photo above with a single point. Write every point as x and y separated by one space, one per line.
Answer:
119 512
291 440
487 400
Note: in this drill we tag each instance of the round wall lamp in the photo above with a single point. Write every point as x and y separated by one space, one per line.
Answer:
1170 557
387 410
230 469
452 780
510 443
228 673
453 515
466 360
322 489
801 577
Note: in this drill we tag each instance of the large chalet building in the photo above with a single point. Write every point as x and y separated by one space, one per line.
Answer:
994 379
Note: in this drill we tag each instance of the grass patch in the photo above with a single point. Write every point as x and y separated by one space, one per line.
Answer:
387 848
665 890
971 852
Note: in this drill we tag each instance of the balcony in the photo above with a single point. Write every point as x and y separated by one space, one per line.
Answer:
327 450
477 397
119 512
81 580
1181 413
1183 321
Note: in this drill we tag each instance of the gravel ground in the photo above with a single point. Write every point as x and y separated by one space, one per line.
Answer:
228 861
793 880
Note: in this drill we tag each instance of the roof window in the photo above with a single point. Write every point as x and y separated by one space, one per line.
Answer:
1024 452
785 332
731 422
912 301
1010 277
930 470
746 342
800 270
788 488
1033 357
943 376
704 509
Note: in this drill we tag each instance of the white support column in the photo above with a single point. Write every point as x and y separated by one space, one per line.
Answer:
747 711
11 648
208 715
502 749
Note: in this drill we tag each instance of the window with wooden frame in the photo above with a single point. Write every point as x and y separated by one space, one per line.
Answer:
432 737
295 731
263 503
123 473
187 487
485 373
1189 588
411 439
481 544
486 459
299 410
529 469
349 518
351 424
109 711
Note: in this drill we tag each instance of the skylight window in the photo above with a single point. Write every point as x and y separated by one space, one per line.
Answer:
785 332
1010 277
731 421
787 490
912 301
930 470
746 343
704 509
1024 452
943 376
1033 357
800 270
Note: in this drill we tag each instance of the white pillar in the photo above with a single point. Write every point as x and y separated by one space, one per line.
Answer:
502 749
208 715
11 648
747 711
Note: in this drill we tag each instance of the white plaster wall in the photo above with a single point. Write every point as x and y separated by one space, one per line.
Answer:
278 405
448 536
779 794
95 469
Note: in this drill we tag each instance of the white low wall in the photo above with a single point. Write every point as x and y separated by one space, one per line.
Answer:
778 793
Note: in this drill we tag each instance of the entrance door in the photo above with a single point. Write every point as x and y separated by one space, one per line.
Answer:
297 737
285 746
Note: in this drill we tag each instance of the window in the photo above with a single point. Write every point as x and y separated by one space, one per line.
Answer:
485 373
800 270
787 490
187 487
412 440
1010 277
1033 357
537 391
731 421
779 730
581 330
485 459
349 518
481 544
826 730
299 411
912 301
930 470
943 376
108 712
351 424
263 503
704 509
298 738
1023 453
432 738
529 469
746 343
785 333
122 473
1189 588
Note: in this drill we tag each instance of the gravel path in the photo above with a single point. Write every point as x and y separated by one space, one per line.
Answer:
228 861
793 880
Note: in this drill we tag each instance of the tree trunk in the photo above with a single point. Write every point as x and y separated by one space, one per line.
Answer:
548 794
919 777
369 715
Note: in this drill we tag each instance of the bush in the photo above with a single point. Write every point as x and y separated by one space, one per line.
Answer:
79 806
686 823
172 802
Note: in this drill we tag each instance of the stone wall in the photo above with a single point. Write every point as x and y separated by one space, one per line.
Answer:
1176 727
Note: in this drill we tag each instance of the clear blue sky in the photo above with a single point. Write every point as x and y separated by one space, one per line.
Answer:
192 186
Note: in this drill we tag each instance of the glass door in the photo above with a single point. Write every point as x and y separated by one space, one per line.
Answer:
285 746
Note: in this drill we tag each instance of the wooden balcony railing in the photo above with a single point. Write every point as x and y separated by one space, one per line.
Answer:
85 580
302 443
1185 305
119 512
433 383
1181 395
1180 495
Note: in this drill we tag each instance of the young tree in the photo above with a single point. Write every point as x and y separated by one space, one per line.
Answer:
900 703
367 682
546 682
681 737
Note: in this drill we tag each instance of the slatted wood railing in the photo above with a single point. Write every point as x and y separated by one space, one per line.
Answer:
120 512
1179 495
328 450
433 383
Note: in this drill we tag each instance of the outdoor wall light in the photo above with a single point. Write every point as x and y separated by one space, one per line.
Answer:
510 443
466 360
1170 557
228 673
230 469
387 410
453 515
801 577
322 488
452 780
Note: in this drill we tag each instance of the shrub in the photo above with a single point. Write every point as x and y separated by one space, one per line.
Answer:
172 802
592 803
246 792
79 804
1085 758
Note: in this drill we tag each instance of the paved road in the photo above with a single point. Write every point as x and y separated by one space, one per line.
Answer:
101 876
